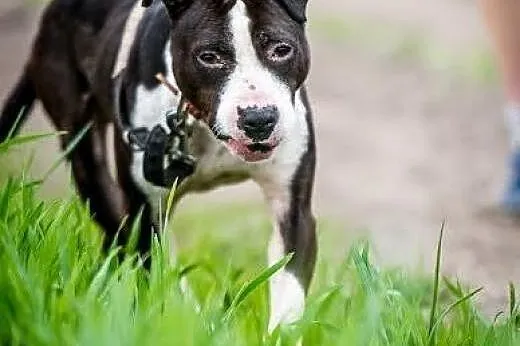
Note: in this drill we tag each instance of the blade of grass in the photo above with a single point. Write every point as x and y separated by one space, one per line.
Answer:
21 140
102 275
436 279
490 332
135 230
169 204
512 300
250 287
452 306
16 123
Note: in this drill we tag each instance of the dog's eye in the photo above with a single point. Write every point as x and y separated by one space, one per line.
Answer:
210 59
280 52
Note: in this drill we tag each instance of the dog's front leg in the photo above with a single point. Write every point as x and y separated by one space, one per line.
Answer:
293 232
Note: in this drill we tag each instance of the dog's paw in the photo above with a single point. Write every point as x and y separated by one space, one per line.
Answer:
287 300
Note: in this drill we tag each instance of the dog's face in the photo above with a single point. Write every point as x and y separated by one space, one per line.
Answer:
241 62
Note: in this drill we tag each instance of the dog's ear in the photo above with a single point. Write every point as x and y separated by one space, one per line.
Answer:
174 7
296 9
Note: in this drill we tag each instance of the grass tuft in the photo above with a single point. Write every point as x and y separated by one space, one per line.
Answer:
57 286
436 278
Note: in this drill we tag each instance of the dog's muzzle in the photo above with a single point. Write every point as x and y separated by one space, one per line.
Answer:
258 123
255 135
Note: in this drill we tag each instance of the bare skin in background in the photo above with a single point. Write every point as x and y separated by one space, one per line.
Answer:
503 20
401 147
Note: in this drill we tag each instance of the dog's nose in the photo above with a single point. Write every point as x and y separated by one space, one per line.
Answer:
258 122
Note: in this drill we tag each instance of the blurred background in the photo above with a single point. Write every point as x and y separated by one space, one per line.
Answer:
410 130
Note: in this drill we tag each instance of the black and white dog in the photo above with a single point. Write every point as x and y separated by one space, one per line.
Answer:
242 64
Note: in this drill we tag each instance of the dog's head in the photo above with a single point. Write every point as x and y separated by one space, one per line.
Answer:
241 62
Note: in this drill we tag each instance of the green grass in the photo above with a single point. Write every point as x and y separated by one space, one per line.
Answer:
58 288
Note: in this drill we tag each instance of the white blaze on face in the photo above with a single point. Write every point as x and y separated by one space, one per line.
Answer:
251 83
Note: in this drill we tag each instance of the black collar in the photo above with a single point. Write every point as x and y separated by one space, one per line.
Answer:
166 158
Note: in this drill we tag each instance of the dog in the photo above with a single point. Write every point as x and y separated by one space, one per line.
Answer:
241 64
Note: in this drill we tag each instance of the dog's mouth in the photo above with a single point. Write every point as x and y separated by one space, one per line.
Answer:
248 150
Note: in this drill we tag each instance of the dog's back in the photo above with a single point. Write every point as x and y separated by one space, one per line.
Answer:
93 13
68 40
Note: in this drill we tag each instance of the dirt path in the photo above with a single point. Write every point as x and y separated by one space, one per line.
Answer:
400 146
